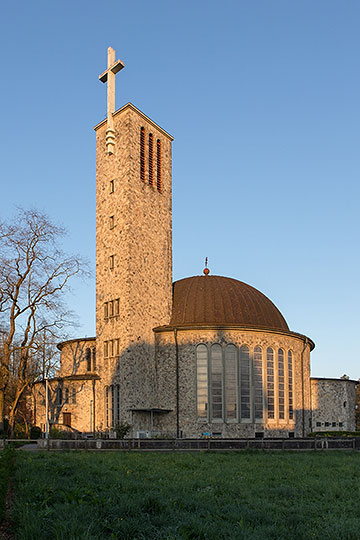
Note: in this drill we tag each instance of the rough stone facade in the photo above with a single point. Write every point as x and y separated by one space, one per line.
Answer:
133 257
333 403
189 425
72 391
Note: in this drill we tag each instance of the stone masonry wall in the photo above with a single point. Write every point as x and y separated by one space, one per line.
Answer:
133 224
187 342
333 403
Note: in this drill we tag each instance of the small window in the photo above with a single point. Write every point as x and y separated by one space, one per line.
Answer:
116 307
333 424
88 359
259 434
106 310
67 393
59 396
344 403
94 358
111 222
112 261
340 424
106 349
73 394
111 185
111 308
327 424
318 424
291 434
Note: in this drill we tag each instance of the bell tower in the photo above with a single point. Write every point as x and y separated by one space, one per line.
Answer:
133 253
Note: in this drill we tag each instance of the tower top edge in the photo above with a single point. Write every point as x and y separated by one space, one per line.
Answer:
140 113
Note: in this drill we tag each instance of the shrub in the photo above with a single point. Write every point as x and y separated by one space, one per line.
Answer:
35 432
122 429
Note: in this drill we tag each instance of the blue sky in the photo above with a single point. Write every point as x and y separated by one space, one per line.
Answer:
263 101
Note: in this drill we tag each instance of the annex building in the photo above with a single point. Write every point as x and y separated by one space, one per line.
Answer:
204 355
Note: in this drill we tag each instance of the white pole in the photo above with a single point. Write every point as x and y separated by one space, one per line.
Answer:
47 407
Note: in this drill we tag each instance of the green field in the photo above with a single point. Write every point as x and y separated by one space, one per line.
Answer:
245 495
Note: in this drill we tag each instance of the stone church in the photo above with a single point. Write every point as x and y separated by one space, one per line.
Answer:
206 355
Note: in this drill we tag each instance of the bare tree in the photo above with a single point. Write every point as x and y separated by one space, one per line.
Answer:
34 273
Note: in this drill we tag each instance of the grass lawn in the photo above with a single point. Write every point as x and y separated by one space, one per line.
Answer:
6 464
244 495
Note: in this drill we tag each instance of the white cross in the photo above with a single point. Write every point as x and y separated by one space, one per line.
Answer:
109 76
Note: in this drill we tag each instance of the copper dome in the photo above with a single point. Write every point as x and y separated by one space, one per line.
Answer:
223 301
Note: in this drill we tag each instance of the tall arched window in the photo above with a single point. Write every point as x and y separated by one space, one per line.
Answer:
142 154
151 164
230 382
202 381
216 382
158 165
244 382
281 383
270 383
290 385
258 384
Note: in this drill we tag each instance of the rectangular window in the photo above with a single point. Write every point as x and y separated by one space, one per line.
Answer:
216 383
270 383
340 424
111 222
73 395
106 310
106 349
327 424
281 382
112 186
117 347
112 261
202 381
116 307
258 384
230 382
318 424
333 424
111 308
244 382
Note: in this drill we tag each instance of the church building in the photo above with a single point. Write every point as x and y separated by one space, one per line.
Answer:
206 355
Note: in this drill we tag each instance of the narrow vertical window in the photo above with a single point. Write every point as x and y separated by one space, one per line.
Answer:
67 394
202 381
216 383
244 382
290 383
73 394
116 306
230 382
93 352
110 405
112 262
111 348
270 383
88 359
106 392
111 222
116 404
258 384
142 154
151 161
111 308
281 383
106 349
111 186
106 310
158 165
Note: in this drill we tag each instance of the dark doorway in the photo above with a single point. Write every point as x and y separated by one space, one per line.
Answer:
67 419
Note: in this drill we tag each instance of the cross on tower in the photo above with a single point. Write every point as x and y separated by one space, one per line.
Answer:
109 76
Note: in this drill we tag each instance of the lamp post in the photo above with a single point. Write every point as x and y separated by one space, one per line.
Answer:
47 408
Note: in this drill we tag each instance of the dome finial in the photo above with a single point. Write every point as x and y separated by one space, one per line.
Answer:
206 271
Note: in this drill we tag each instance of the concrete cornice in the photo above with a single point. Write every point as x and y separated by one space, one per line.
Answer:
339 379
140 113
75 340
229 327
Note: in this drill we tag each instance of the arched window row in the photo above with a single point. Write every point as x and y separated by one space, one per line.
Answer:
151 159
112 405
236 384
